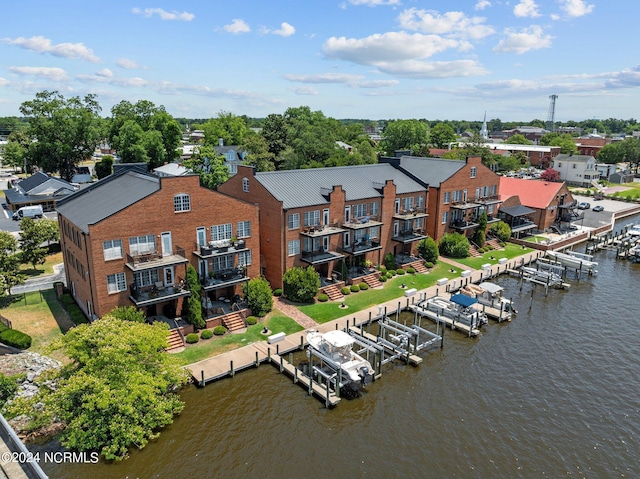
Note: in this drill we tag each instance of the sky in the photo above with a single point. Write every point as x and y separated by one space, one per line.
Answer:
369 59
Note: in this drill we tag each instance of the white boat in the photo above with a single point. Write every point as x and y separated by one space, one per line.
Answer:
335 348
490 294
460 308
634 231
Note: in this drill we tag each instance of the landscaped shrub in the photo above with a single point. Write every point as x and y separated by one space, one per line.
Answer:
363 286
277 292
251 320
301 285
259 296
8 387
383 278
345 290
454 245
323 298
428 249
389 261
410 270
400 271
206 334
392 272
354 288
219 330
192 338
383 269
501 230
15 338
429 264
75 313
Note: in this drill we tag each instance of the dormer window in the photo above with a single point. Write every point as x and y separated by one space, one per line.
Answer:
181 202
245 185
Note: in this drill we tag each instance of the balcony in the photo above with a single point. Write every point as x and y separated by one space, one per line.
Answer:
321 230
522 225
219 248
409 236
488 200
462 225
418 212
223 278
156 294
465 205
361 247
364 222
320 256
154 259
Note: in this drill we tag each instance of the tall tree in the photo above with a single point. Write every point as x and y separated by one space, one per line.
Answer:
209 165
275 133
441 135
229 128
405 135
10 274
193 305
34 233
104 167
66 131
563 140
518 139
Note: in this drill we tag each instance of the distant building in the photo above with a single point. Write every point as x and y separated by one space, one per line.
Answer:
531 133
576 170
38 189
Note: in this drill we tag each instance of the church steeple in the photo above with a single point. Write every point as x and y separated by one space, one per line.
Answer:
483 131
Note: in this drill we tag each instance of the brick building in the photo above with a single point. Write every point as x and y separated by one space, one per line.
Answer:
334 219
459 191
127 240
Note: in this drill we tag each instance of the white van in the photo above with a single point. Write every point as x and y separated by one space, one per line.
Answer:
28 212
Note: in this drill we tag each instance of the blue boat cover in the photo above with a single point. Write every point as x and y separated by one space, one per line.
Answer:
463 300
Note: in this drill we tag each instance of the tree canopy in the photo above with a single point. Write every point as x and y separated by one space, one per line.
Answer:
441 135
518 139
209 165
405 135
229 128
66 131
563 140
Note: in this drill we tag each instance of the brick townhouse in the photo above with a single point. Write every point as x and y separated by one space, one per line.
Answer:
334 219
459 191
127 240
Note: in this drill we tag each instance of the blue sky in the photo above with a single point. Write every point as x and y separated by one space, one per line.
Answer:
348 58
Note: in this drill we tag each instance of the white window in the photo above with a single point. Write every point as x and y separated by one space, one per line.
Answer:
294 247
359 211
447 197
312 218
245 184
221 232
244 229
374 208
396 209
490 209
407 203
420 203
294 221
373 231
418 223
142 245
201 236
457 195
233 168
221 263
473 172
147 277
112 249
181 202
244 258
445 217
116 282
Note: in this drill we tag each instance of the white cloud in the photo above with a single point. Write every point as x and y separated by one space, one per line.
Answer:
430 70
375 83
41 44
526 8
105 72
3 81
237 26
324 78
128 64
386 47
482 4
374 3
576 8
164 15
455 24
527 39
304 90
285 30
103 77
53 74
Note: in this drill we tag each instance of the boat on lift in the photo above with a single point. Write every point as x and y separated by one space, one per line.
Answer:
460 308
335 349
491 295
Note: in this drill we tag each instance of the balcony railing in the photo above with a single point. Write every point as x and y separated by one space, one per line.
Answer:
155 259
417 212
148 295
459 224
320 256
490 199
362 246
215 248
224 277
363 222
409 235
322 230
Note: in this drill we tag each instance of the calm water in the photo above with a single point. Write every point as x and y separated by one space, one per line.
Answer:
555 393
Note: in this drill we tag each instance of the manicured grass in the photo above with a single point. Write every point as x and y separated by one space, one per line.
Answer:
535 239
46 268
323 312
275 321
42 317
510 251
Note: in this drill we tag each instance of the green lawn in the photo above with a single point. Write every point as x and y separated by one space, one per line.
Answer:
323 312
205 348
510 251
47 267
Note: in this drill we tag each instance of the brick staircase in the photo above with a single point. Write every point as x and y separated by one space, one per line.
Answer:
494 242
418 266
473 251
371 280
175 340
233 321
333 292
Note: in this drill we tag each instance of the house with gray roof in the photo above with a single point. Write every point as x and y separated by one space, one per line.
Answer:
576 170
459 192
38 189
339 220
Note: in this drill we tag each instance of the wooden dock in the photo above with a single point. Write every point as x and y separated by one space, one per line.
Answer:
452 324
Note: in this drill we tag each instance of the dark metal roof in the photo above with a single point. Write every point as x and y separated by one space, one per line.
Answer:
106 197
308 187
463 300
431 170
517 210
33 181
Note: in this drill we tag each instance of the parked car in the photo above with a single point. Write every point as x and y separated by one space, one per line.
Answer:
598 208
584 206
28 212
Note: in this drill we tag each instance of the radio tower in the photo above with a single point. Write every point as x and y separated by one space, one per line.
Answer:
552 113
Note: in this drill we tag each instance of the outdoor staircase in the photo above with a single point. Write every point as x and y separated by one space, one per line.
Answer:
494 243
473 251
418 266
372 280
175 340
233 321
333 292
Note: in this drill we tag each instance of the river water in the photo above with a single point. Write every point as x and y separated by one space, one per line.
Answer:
554 393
